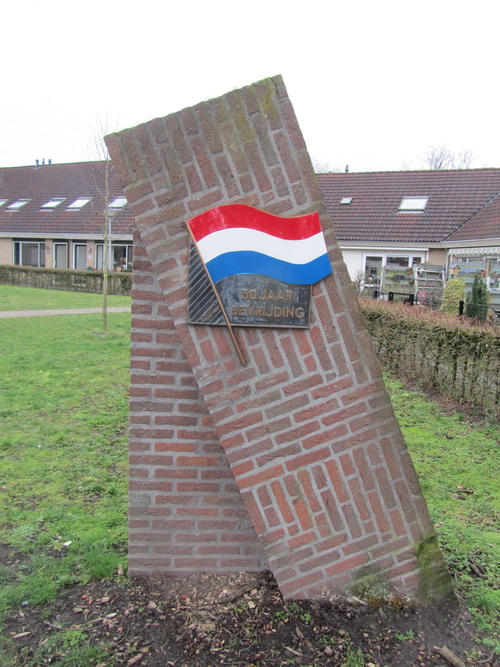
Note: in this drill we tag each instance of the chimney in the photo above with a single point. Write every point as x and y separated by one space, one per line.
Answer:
50 161
347 169
37 163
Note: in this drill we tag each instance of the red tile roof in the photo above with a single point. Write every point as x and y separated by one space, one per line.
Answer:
462 204
485 224
71 181
373 215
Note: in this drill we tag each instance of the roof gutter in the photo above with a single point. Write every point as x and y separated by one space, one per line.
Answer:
64 237
469 242
382 245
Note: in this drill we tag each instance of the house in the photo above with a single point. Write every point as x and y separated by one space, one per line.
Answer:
53 215
478 238
405 218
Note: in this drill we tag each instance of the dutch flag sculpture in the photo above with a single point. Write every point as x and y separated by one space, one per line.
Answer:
237 239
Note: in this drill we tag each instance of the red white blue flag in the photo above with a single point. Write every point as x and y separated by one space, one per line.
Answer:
236 239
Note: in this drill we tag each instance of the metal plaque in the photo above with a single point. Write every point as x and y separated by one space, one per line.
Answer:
203 307
249 299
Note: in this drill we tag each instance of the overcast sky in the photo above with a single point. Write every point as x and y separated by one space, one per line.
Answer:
374 83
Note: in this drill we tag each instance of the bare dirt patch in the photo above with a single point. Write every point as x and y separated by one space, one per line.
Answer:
241 620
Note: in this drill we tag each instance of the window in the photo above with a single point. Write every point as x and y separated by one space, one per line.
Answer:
15 206
397 262
53 203
119 202
3 201
346 200
29 253
413 204
121 257
374 264
79 203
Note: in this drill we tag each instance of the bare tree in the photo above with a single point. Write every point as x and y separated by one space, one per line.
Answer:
323 167
464 159
97 148
362 280
440 157
406 166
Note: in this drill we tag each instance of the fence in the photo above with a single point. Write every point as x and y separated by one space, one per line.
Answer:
461 362
65 279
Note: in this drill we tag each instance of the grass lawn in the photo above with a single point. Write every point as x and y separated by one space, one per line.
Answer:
63 457
33 298
458 464
63 444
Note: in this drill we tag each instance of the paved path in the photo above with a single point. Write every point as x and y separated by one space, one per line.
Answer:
70 311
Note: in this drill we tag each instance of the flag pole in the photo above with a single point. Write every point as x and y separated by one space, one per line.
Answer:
219 300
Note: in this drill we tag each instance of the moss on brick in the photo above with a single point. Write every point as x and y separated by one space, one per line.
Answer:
435 580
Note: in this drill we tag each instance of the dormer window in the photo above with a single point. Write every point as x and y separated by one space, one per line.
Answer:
53 203
15 206
413 204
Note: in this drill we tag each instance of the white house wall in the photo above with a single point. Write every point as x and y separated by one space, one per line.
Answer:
353 260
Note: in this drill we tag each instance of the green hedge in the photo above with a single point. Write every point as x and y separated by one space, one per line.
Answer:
65 279
461 361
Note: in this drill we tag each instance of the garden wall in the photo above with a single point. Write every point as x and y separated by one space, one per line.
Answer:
461 362
65 279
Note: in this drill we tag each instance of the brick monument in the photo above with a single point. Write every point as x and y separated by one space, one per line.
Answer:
293 462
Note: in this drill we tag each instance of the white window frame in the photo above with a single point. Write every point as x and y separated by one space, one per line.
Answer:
384 254
118 203
128 251
79 203
413 204
40 253
19 203
394 253
52 204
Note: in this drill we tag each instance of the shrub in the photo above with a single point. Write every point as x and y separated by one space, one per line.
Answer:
65 279
477 300
454 292
443 351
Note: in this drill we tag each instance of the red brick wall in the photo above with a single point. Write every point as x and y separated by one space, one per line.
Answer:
185 510
306 426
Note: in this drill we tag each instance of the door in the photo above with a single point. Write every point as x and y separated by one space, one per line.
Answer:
61 255
80 256
99 256
373 269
